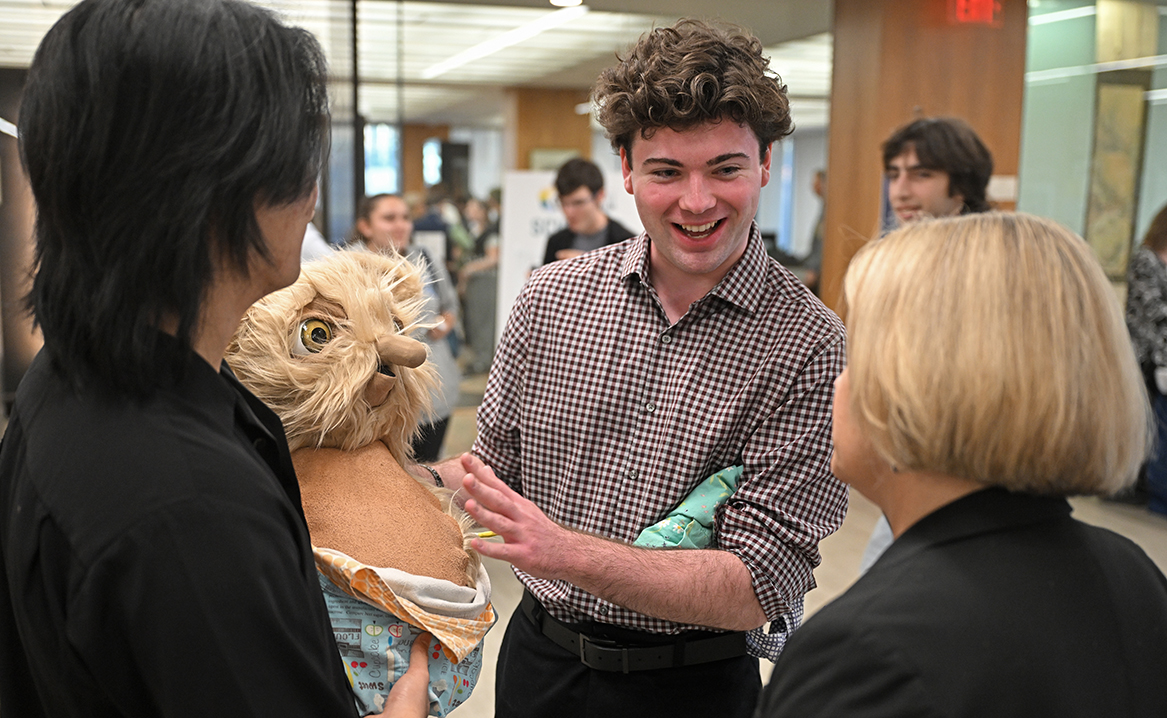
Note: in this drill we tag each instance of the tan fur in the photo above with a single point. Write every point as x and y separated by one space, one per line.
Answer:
321 398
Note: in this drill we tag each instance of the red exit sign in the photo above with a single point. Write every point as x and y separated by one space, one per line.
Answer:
974 12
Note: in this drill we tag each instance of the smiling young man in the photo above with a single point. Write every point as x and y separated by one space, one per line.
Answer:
628 376
936 168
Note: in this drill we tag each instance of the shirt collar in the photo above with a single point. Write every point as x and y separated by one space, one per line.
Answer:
986 511
743 286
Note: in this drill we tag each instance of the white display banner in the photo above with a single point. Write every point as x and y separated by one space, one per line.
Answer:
531 214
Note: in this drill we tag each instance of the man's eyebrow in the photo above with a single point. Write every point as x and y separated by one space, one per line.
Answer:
715 161
727 157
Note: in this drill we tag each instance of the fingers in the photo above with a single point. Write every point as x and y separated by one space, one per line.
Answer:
475 467
409 697
419 654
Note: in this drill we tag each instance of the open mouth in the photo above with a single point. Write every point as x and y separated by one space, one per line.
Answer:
384 369
699 231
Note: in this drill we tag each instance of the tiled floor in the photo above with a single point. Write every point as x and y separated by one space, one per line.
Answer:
841 551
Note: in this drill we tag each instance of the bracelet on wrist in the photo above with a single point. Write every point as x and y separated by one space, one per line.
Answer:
434 473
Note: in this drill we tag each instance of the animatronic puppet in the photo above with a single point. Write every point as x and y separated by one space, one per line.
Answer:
332 355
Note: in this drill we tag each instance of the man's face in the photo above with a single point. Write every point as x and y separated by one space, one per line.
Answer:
582 210
916 192
696 192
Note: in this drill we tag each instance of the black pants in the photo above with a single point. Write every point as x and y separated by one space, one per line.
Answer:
428 444
539 679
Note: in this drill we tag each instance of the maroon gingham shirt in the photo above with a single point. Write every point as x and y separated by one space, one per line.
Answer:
606 416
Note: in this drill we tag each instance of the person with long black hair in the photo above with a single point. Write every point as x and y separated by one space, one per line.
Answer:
154 558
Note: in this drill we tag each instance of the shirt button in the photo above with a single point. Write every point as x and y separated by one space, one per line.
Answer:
666 339
633 473
603 610
649 408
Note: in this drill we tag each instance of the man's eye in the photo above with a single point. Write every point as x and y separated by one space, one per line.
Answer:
313 335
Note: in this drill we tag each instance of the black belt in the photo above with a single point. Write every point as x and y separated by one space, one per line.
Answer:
608 655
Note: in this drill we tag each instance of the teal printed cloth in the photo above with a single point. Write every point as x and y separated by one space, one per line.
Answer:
690 525
375 645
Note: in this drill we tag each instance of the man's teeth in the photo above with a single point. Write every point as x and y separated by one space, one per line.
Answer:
698 228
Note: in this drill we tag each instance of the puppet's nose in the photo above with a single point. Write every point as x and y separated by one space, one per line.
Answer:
401 350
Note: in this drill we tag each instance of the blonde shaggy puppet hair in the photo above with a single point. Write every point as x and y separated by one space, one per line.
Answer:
320 395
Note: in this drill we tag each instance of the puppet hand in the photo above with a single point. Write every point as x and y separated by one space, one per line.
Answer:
409 697
532 542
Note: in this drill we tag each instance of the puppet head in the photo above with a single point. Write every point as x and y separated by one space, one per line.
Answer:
332 355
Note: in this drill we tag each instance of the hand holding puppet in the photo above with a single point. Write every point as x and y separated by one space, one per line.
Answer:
333 357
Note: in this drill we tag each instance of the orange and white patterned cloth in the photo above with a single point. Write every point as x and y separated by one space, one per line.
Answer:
457 616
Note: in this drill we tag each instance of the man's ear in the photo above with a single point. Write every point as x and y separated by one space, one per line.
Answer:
955 195
599 197
766 159
626 169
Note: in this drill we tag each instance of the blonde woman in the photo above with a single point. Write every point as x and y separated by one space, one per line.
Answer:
989 376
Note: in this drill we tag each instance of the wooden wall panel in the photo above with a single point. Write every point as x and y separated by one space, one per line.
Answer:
895 61
412 139
546 119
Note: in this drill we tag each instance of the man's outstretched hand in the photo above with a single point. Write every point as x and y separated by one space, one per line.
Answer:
532 542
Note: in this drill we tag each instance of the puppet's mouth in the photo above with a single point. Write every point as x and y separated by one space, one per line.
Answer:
379 386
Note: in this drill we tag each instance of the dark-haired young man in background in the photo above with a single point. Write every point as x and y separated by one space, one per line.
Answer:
626 377
936 168
154 558
580 186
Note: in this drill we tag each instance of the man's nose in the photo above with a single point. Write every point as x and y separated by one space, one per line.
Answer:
697 197
898 186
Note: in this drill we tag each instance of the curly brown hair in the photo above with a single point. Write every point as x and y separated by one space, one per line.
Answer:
687 75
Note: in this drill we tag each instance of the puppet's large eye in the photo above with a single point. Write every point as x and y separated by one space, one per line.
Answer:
313 335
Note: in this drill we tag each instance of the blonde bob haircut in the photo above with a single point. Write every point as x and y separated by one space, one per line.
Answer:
991 347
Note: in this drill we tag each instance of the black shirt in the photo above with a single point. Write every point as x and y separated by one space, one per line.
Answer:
997 604
155 558
564 238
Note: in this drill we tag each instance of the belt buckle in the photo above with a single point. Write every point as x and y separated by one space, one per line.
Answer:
599 644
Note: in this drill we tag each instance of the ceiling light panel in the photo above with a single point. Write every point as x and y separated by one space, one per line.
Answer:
436 32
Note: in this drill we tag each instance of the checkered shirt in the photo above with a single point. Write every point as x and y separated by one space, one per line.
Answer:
606 416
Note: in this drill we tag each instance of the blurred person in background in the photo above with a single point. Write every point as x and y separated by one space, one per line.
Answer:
384 225
936 167
1146 318
580 186
478 287
813 262
989 376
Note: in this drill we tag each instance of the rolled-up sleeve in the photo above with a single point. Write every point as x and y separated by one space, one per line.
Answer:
788 499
